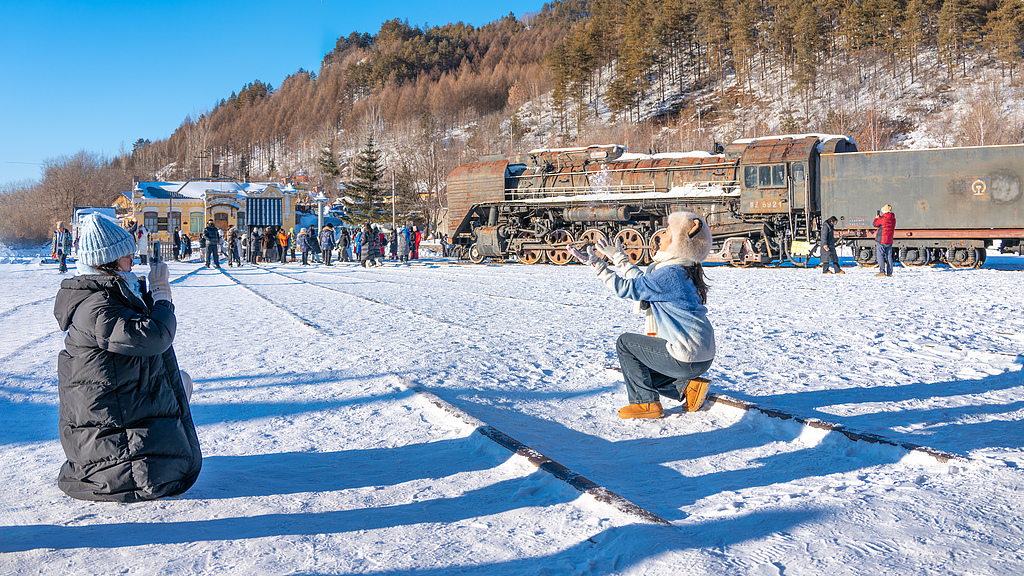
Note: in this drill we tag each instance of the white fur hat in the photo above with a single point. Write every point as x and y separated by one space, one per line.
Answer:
691 236
102 241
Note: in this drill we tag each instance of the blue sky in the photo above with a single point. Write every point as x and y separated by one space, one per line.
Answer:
96 75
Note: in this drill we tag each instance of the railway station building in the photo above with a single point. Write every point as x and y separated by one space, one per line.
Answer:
164 206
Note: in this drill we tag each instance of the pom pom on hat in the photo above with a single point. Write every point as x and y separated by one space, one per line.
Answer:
691 236
101 241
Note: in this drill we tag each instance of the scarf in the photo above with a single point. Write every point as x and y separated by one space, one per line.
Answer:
661 259
129 278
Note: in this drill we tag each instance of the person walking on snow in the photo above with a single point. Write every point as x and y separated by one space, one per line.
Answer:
886 222
176 243
828 246
680 341
61 246
143 244
124 418
212 237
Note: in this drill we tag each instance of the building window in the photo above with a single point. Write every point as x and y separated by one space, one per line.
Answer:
240 220
149 221
195 222
175 220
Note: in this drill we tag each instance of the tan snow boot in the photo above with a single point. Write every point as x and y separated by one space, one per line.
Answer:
650 410
696 391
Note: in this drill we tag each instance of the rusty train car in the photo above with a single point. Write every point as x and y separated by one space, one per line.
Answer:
764 199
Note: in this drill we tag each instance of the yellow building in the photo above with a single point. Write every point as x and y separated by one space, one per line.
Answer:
163 206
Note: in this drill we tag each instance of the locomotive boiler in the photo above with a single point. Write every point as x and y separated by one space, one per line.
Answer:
764 199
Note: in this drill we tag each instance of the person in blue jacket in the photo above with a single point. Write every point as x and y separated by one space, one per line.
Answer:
680 342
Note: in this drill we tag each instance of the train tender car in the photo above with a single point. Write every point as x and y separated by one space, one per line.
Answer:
950 203
764 199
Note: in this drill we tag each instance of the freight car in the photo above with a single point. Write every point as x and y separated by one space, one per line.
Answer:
764 199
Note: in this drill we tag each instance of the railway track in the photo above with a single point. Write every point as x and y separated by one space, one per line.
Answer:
585 485
28 345
321 286
378 277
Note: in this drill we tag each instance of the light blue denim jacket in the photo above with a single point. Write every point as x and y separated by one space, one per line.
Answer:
680 317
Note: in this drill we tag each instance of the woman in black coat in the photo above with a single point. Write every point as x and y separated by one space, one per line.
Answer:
125 423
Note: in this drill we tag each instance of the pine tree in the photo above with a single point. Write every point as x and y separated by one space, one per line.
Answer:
329 170
367 188
958 28
913 34
1004 34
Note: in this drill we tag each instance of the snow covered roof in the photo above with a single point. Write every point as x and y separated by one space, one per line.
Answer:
199 188
822 137
630 156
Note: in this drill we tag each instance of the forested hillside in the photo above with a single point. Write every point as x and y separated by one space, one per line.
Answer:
652 74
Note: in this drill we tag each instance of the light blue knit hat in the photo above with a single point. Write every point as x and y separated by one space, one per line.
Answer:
101 240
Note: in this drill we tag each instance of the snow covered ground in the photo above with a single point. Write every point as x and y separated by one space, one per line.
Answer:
319 459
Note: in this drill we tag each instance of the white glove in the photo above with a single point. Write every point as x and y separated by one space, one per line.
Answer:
159 284
590 259
611 251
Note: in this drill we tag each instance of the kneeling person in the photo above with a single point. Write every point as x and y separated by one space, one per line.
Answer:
125 423
680 342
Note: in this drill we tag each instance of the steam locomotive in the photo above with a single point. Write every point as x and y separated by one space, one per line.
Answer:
764 198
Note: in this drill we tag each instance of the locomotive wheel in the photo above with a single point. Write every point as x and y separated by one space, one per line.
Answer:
657 239
559 256
474 255
530 256
632 244
592 235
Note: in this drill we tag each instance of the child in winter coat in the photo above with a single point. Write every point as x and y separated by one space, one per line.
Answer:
680 342
125 424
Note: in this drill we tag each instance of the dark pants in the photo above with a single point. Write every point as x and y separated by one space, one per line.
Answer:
327 257
211 250
884 258
284 255
63 261
305 258
829 256
177 252
235 256
650 371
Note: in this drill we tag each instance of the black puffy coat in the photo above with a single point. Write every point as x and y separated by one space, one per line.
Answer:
125 423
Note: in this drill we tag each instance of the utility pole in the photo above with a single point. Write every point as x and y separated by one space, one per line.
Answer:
393 229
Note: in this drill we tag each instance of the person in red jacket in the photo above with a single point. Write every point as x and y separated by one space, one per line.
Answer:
886 222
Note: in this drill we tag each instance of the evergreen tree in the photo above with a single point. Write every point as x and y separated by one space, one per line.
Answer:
367 188
329 170
958 29
1004 33
913 34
